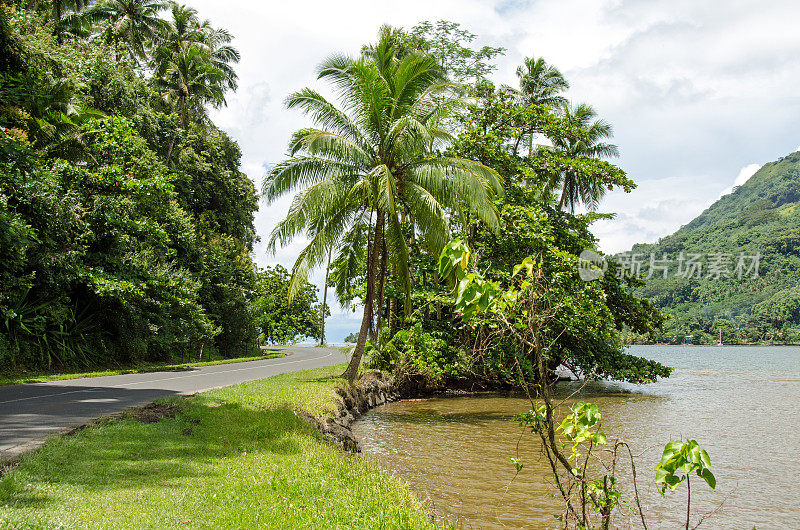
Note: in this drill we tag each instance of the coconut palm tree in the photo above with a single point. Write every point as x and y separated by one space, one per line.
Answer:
222 54
186 29
190 81
373 162
539 84
135 23
581 137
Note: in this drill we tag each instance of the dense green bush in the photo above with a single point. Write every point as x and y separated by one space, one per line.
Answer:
125 236
281 320
412 351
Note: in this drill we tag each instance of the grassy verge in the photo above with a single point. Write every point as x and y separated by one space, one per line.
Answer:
236 457
41 377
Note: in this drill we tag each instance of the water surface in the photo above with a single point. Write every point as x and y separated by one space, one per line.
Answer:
740 403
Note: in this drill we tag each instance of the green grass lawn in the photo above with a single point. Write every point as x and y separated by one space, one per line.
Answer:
236 457
41 377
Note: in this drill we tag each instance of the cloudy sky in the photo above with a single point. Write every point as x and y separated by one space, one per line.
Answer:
700 93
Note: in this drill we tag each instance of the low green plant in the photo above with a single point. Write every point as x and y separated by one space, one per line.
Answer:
680 460
582 434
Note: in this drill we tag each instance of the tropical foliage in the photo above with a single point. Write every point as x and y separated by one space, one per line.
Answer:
281 320
407 160
126 225
374 165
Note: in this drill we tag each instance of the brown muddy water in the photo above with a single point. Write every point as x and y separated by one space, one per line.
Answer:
740 403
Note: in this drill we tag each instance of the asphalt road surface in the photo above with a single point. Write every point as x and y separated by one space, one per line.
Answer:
29 413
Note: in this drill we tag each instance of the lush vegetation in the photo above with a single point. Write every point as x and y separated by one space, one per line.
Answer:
129 226
282 320
238 457
740 303
374 165
126 225
383 187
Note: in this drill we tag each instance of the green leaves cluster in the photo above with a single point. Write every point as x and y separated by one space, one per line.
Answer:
583 331
472 293
281 320
413 352
681 459
582 425
127 236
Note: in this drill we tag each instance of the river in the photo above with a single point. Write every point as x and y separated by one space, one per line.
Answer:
740 403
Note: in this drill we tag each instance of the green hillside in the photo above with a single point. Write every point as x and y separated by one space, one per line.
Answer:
758 223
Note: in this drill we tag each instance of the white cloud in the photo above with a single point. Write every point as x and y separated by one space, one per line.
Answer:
695 90
656 208
744 175
659 207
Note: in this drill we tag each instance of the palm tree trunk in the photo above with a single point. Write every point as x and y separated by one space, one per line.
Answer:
171 146
324 301
369 299
381 283
392 315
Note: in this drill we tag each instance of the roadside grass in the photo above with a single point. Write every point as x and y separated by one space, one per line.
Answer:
236 457
15 378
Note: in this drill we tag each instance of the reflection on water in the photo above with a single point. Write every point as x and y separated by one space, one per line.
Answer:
738 402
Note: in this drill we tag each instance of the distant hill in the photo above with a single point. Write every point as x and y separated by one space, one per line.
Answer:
758 222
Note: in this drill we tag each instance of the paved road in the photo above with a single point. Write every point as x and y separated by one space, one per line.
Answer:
30 412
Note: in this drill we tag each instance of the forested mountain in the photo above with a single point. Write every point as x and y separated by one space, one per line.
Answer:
126 225
747 281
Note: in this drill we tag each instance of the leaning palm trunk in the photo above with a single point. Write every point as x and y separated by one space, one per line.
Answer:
382 273
369 300
324 301
372 164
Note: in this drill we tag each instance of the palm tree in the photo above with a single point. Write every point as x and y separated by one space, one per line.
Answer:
580 138
190 82
65 14
539 84
192 63
372 162
185 28
136 23
223 55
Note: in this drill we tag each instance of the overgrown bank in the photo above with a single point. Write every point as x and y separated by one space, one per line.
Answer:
235 457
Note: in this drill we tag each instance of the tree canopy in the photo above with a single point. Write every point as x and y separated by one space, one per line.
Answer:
126 224
376 164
